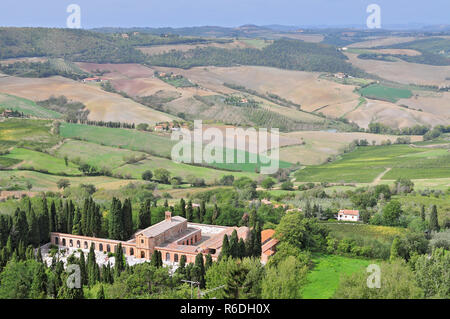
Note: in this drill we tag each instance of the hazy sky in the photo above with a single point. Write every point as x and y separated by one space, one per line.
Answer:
178 13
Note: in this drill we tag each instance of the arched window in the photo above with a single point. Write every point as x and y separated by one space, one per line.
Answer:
142 254
175 258
85 245
71 243
108 248
100 247
167 256
64 242
78 244
131 252
56 241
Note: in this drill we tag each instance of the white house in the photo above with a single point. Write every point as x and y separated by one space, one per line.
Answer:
348 215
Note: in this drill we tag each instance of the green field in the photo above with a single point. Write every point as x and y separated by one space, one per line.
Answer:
27 107
123 138
177 169
94 154
44 182
32 160
115 159
386 93
323 279
365 163
353 231
27 133
144 142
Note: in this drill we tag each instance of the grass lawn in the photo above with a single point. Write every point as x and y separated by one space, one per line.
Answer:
365 163
382 92
323 279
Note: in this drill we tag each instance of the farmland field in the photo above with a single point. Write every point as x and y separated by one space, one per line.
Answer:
28 107
385 93
32 160
27 133
324 278
366 163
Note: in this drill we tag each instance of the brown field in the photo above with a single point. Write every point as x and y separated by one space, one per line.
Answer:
430 102
392 115
33 59
376 42
313 38
102 105
404 72
319 145
159 49
304 88
408 52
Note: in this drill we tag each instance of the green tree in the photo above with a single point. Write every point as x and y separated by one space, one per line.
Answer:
397 282
162 175
434 223
147 175
391 213
285 280
268 183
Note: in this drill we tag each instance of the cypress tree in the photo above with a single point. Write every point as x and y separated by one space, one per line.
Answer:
101 293
189 211
241 248
234 244
202 211
20 228
127 216
183 208
33 230
39 285
76 229
200 270
93 269
39 256
83 271
257 248
119 264
250 243
422 212
434 223
225 252
52 217
208 261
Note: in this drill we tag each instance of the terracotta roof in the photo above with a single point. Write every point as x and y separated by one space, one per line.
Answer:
269 245
349 212
161 227
266 234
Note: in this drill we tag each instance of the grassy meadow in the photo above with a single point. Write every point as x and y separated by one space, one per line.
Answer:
323 279
366 163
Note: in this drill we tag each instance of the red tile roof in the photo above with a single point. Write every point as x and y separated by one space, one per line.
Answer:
349 212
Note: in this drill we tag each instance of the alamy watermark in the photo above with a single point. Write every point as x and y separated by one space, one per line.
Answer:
374 279
374 19
74 19
239 145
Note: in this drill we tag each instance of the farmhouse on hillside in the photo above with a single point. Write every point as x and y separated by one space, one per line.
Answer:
348 215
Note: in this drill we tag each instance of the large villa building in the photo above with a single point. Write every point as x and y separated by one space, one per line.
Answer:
173 237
